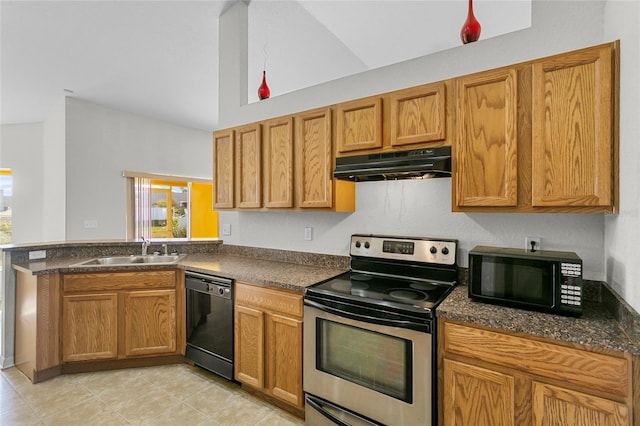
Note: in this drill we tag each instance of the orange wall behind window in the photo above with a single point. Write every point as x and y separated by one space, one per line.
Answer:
204 220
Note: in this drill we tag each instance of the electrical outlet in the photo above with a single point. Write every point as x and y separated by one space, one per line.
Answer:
308 233
90 224
37 254
533 243
226 229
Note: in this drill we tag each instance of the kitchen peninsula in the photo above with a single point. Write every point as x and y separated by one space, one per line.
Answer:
48 288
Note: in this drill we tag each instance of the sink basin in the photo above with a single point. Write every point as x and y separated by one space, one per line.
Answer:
132 260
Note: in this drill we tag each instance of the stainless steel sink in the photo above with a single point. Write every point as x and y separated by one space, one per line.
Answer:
133 260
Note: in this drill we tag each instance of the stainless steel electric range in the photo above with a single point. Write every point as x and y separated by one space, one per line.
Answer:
370 333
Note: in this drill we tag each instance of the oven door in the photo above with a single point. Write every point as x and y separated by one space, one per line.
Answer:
381 372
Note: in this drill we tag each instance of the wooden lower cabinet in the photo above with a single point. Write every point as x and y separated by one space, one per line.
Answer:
67 323
556 406
268 342
490 377
121 315
89 327
37 330
249 346
474 395
150 322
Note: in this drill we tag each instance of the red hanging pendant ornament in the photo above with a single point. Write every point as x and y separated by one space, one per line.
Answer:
470 31
263 90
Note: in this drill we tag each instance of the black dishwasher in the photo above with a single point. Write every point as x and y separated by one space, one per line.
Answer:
210 322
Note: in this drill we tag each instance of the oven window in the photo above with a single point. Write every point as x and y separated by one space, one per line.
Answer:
374 360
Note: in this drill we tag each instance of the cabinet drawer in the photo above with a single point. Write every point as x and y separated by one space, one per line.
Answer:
593 370
119 281
269 299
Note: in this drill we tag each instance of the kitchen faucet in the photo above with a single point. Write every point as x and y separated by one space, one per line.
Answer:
166 249
145 244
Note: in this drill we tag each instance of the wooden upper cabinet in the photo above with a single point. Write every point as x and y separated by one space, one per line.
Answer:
539 136
278 162
418 114
223 169
572 129
314 163
487 139
249 166
359 124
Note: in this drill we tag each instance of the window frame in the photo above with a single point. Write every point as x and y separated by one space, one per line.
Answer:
167 179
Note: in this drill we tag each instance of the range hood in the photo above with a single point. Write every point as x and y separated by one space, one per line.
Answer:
412 164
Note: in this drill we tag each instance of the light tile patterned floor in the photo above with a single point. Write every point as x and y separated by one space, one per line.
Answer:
167 395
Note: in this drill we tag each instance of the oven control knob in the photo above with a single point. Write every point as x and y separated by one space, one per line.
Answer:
221 291
367 245
445 251
433 250
358 244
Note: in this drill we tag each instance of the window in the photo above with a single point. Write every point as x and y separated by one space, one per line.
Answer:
167 207
5 206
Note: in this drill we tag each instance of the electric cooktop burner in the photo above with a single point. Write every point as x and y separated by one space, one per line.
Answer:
407 295
404 294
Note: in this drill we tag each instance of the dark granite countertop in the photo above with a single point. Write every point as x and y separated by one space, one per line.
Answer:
267 272
596 328
272 273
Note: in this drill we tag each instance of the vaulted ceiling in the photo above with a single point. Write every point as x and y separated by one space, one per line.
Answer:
160 58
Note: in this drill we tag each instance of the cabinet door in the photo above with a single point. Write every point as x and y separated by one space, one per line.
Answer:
223 169
315 161
486 144
278 163
89 327
249 155
360 124
284 358
477 396
149 322
555 406
572 129
418 114
249 346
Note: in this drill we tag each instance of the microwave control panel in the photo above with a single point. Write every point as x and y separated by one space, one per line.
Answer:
571 285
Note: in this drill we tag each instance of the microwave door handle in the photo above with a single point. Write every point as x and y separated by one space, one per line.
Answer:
366 318
320 409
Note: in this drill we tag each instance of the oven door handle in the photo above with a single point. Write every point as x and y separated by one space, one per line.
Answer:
366 318
320 409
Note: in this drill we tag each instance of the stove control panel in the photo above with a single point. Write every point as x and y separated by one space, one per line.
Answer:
429 250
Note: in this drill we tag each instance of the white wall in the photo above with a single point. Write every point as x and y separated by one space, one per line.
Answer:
423 208
557 26
101 143
622 232
21 151
53 171
283 32
299 38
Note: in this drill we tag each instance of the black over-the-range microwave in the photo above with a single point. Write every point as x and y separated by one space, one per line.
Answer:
541 280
